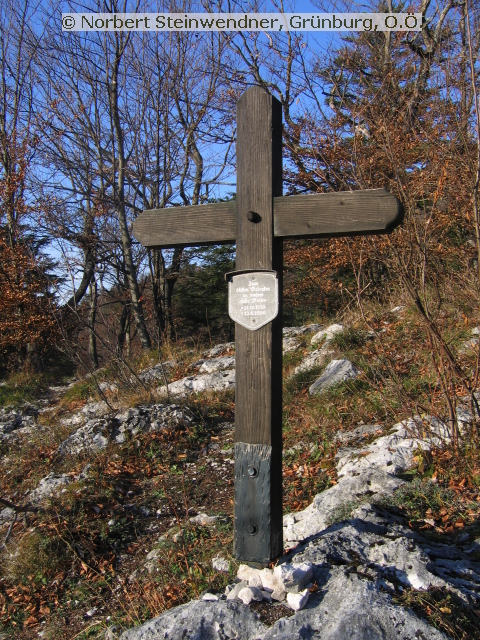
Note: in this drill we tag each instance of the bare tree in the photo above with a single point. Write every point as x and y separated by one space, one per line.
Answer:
18 131
95 125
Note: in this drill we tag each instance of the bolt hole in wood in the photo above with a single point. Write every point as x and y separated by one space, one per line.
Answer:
256 304
254 217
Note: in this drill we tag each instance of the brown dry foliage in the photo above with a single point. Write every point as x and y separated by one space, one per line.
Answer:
26 309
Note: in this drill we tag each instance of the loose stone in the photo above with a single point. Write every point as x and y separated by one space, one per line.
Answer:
298 600
250 594
294 577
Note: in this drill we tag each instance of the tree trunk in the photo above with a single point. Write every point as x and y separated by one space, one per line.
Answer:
92 343
170 281
122 329
88 271
157 274
121 210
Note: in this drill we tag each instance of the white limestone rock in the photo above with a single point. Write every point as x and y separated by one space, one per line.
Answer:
203 520
384 543
336 371
48 486
270 580
250 594
349 607
95 435
95 409
291 344
154 554
201 620
244 572
233 590
289 332
298 600
392 454
220 564
359 434
255 581
317 358
396 310
294 577
469 345
217 364
157 373
464 417
313 359
218 350
217 381
108 387
91 437
6 515
327 334
349 490
265 579
17 422
253 576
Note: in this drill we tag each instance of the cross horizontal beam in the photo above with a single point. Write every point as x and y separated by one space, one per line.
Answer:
346 213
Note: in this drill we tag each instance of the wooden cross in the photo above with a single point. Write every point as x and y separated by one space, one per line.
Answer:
257 221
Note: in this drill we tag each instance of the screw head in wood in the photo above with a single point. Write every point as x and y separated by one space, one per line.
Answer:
252 529
252 472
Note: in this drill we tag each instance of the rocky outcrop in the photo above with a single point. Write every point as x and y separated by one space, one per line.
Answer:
347 605
314 359
90 411
201 619
217 381
359 434
158 373
336 371
384 549
289 345
327 334
353 555
217 364
370 471
288 332
218 350
17 422
49 486
318 357
95 434
216 372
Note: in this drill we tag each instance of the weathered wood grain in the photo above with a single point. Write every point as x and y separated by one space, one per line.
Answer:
258 354
347 213
205 224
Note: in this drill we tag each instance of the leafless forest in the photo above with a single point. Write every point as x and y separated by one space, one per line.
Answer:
96 127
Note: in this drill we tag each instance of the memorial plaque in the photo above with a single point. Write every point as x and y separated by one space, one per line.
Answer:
253 298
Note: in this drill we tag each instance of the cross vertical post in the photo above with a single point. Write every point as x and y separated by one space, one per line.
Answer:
258 354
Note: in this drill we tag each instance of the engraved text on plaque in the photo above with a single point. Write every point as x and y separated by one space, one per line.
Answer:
253 298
